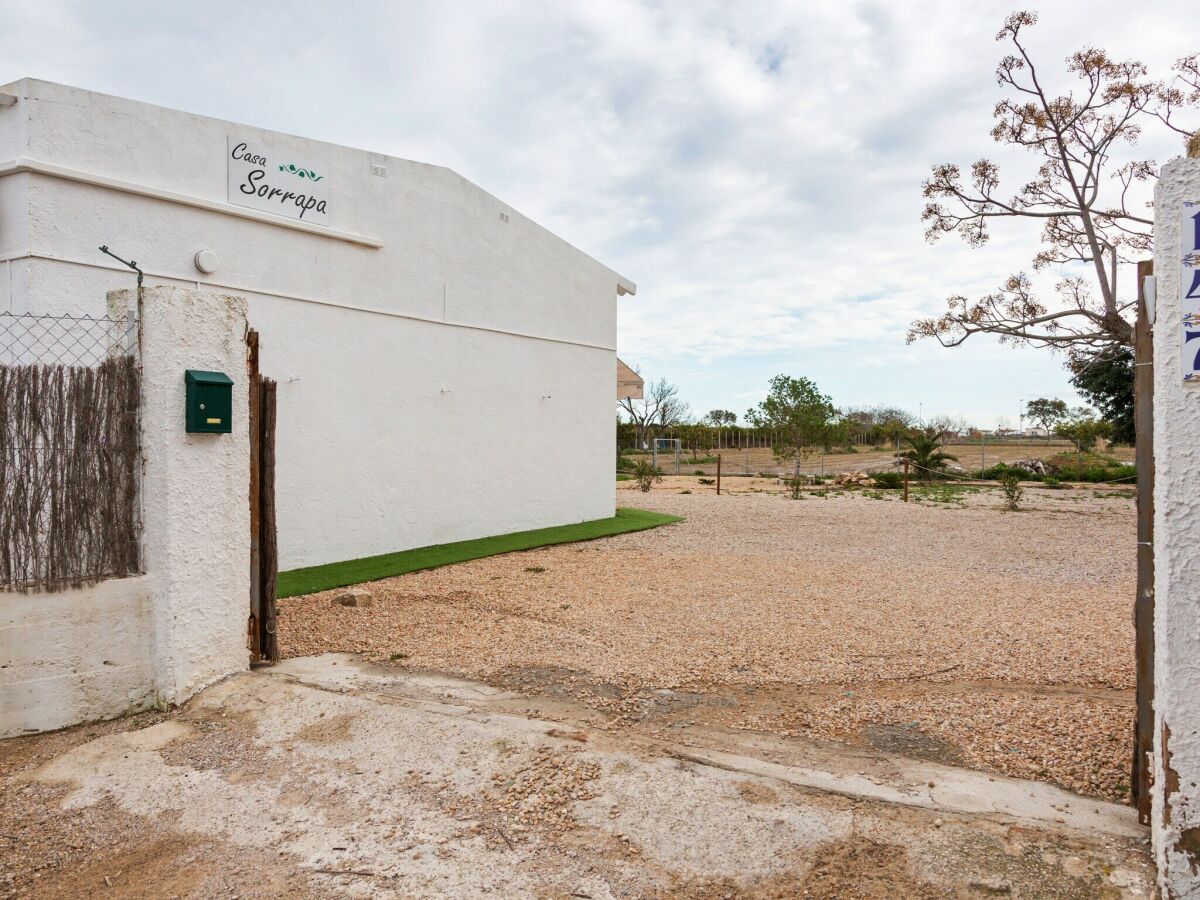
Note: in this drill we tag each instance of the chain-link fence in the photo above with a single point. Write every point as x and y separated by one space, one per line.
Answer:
69 394
64 340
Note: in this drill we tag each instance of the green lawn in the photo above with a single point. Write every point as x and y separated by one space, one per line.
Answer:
369 568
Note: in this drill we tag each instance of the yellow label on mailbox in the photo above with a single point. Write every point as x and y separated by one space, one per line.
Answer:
214 421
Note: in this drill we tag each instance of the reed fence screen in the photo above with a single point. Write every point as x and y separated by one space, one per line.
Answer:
69 454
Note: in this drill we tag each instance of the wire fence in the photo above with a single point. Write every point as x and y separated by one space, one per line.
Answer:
735 463
64 340
69 394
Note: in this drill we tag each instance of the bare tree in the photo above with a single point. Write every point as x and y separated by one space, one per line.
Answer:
661 407
1081 194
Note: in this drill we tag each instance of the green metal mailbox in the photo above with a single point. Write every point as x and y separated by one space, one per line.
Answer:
209 402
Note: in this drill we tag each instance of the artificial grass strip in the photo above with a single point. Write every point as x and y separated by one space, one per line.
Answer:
311 579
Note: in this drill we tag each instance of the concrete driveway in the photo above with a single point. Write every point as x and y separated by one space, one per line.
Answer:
328 776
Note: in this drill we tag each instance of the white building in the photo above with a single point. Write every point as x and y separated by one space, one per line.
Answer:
445 365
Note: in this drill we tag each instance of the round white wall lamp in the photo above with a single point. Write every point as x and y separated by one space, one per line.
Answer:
206 261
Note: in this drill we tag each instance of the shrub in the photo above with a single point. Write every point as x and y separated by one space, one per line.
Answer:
646 474
708 481
1010 482
1051 482
698 472
795 485
891 480
624 464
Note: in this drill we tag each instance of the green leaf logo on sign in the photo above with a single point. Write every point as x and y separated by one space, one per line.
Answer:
302 173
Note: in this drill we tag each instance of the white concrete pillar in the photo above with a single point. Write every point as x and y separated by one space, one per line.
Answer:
1176 815
196 533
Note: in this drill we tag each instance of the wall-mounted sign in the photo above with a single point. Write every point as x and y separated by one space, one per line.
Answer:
1189 279
266 180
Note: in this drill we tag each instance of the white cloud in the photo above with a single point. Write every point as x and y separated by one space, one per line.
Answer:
754 167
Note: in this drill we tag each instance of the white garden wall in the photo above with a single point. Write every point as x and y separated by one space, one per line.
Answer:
126 643
445 365
1176 818
75 656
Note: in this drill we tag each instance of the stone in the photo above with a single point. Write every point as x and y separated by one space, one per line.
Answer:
354 597
1037 466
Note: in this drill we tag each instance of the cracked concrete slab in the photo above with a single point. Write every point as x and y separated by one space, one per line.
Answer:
345 779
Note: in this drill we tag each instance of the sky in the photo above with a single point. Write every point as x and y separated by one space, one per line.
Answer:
755 168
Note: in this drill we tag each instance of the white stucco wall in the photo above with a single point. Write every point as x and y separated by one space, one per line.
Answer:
195 495
445 365
1176 821
75 656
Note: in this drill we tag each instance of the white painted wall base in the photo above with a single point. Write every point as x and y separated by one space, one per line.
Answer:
75 656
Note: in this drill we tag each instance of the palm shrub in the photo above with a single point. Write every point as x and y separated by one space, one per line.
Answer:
925 452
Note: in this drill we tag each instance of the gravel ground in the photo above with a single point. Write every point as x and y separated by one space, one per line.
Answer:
946 627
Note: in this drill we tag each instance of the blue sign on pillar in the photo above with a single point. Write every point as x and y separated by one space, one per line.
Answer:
1189 279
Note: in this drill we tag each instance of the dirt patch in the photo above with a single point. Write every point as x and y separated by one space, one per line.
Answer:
907 740
332 730
855 869
859 868
757 792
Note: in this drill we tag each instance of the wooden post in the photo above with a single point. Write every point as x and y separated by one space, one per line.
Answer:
1143 610
254 625
268 551
906 479
718 474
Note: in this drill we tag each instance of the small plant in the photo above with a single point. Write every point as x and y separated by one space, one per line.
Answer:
708 481
698 472
685 492
646 474
890 480
795 486
1051 482
1010 483
766 474
535 569
398 655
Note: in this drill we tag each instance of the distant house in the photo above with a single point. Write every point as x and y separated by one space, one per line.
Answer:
629 383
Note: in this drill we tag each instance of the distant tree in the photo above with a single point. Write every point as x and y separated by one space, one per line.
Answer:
660 407
949 426
1082 429
720 418
1046 412
1106 379
879 423
925 451
1081 195
803 419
